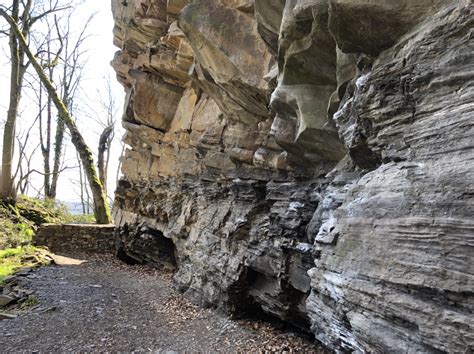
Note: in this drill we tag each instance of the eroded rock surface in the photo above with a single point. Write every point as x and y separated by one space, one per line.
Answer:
312 159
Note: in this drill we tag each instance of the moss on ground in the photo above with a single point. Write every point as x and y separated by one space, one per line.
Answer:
18 224
31 301
12 259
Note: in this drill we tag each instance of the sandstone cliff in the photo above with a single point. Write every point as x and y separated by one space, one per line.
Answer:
311 159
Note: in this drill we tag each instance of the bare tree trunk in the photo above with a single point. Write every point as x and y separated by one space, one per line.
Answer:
81 185
18 69
6 187
47 156
25 176
24 159
51 179
88 199
101 208
71 75
46 146
104 148
58 143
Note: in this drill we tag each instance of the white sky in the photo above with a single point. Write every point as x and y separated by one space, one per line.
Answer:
100 53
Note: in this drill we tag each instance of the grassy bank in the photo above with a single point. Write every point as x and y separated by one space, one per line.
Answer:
18 224
13 259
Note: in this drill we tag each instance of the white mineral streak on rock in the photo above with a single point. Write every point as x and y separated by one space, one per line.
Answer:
235 112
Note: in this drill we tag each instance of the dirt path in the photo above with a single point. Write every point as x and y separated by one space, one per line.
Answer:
104 305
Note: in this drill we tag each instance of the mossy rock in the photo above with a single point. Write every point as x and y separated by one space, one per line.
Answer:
18 221
39 212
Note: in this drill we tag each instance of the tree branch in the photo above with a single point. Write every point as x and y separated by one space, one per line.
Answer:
46 13
46 174
101 208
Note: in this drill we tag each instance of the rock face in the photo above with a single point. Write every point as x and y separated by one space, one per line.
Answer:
309 159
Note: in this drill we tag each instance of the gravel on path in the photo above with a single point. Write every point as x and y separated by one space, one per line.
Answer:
104 305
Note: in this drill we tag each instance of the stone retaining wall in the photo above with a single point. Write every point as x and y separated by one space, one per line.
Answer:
73 237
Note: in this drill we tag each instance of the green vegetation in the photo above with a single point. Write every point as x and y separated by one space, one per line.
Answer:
31 301
12 252
13 234
41 211
80 219
18 224
11 259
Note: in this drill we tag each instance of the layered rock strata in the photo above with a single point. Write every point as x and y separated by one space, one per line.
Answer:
313 160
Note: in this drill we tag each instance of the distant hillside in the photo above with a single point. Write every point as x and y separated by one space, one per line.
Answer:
74 208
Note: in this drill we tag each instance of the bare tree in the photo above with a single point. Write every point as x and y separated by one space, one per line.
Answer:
22 20
84 194
73 65
23 167
68 57
17 72
105 141
110 108
101 208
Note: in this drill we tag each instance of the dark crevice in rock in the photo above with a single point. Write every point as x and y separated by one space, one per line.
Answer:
146 246
244 305
363 156
346 208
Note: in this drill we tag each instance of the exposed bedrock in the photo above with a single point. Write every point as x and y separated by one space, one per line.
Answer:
309 159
